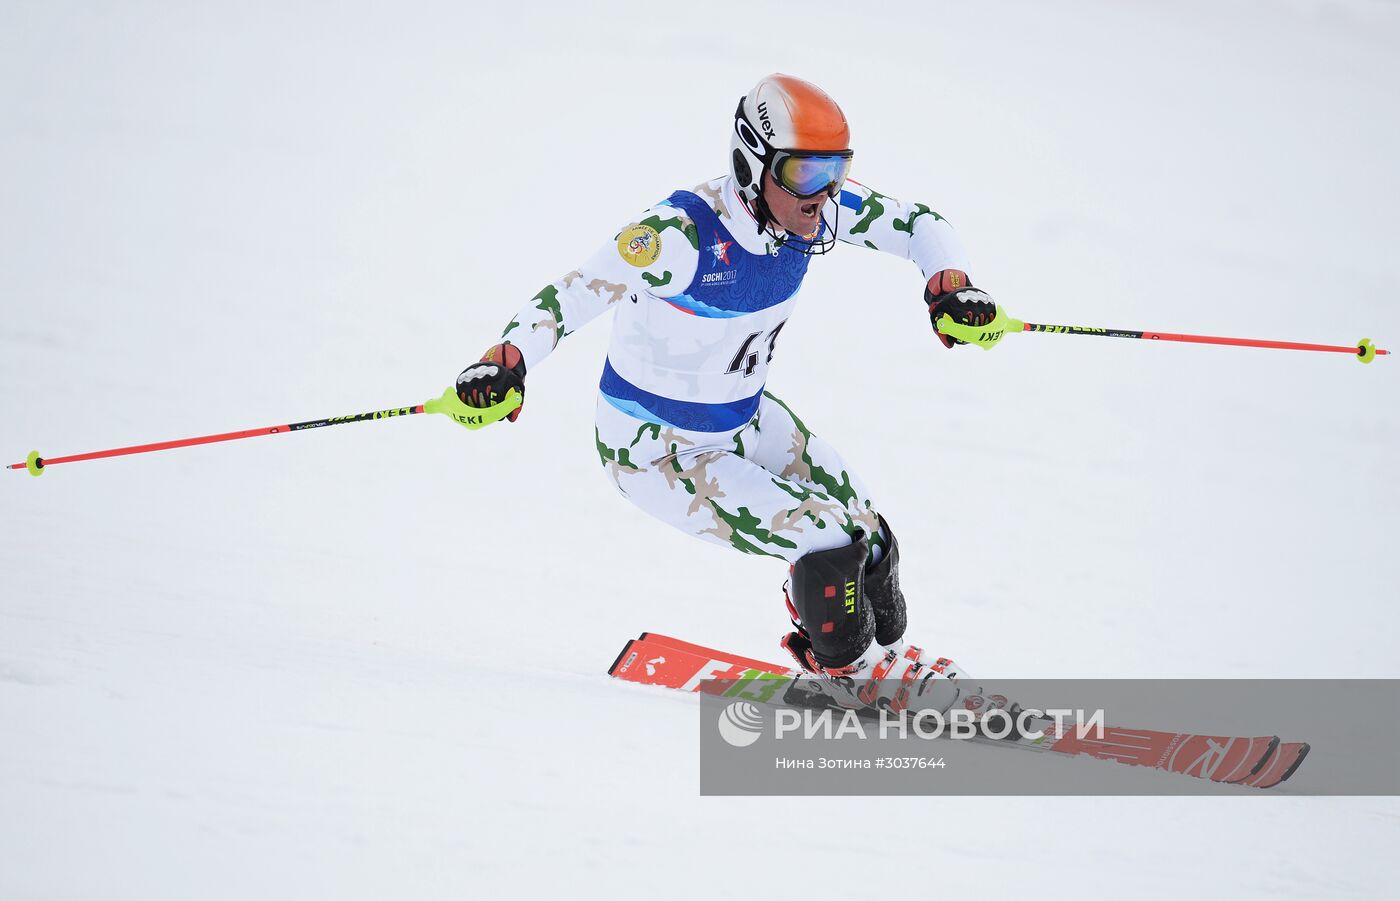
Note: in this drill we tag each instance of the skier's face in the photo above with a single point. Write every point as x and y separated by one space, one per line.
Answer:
798 216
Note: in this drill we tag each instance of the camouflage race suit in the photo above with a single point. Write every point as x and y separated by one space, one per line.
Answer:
684 427
770 487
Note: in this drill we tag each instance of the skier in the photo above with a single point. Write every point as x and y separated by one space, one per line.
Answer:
703 283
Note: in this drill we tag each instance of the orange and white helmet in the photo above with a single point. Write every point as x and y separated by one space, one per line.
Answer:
794 130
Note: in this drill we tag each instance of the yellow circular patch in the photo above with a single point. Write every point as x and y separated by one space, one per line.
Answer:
639 245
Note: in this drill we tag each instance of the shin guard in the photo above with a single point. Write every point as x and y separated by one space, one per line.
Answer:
829 595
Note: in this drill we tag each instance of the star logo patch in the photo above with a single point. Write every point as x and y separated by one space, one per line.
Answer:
720 249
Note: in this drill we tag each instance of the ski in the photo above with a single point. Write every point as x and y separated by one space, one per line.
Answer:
1258 761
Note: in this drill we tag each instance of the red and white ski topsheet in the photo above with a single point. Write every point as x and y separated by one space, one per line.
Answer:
1261 761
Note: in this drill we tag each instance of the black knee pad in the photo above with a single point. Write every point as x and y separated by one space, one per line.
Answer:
829 594
886 598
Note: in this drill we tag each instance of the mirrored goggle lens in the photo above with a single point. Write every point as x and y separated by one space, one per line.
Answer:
813 174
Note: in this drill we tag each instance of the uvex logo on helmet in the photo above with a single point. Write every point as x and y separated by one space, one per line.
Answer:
764 122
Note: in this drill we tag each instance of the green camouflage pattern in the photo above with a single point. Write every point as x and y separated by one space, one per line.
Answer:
907 225
871 208
680 222
805 469
811 505
770 488
547 302
746 533
617 461
652 428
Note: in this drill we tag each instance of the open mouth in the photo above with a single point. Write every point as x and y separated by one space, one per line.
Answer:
810 209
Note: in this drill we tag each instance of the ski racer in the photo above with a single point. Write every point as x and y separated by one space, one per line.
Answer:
702 284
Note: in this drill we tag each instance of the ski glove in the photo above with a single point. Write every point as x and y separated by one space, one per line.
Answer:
950 293
486 385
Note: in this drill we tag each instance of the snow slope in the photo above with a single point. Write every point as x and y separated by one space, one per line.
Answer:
271 668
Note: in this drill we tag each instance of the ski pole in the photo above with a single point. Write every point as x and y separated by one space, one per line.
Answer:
988 335
448 404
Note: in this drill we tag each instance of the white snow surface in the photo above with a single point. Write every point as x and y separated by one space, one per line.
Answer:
301 666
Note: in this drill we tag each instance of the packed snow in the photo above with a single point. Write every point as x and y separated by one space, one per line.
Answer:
308 665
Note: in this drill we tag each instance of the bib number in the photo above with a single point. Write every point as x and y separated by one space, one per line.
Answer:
746 359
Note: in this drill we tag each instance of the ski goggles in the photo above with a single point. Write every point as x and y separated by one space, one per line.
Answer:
806 175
